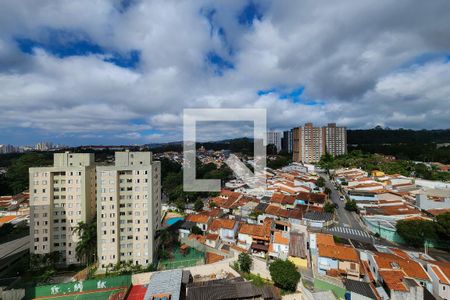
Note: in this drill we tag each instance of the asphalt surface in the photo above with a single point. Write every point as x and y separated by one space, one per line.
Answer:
345 218
14 246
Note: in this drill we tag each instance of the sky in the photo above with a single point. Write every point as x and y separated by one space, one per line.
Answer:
121 72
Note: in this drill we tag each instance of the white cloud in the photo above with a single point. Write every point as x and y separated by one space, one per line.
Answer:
349 55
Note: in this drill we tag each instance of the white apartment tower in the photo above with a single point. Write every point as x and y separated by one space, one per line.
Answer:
60 197
128 209
274 138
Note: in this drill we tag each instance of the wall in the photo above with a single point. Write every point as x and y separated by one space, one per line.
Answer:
324 263
325 286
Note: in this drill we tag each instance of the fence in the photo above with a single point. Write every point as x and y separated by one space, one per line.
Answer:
82 287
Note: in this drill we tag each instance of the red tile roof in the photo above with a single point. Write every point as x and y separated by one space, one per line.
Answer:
394 280
411 268
213 257
200 218
312 197
283 199
222 223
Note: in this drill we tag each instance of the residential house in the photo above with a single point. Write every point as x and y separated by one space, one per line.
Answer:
318 219
212 240
335 259
225 228
440 277
311 199
398 260
202 221
279 245
185 229
398 286
297 249
255 237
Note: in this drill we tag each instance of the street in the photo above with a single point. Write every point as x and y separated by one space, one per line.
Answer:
345 218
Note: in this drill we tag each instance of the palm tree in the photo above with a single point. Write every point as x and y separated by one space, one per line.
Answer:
86 249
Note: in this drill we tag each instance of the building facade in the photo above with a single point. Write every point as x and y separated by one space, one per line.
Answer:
310 143
287 141
128 209
274 138
61 196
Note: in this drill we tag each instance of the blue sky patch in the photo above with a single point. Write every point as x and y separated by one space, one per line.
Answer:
250 12
293 95
218 62
64 44
124 5
216 29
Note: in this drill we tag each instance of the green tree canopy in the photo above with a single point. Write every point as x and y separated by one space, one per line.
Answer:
198 205
86 249
416 232
350 205
329 207
284 274
245 262
320 182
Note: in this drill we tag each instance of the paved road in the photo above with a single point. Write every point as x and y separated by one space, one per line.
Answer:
14 246
350 233
345 218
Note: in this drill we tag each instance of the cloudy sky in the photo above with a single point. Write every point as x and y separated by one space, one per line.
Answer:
104 72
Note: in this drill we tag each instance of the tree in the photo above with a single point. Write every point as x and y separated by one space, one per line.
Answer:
328 191
86 249
245 262
416 232
181 205
329 207
320 182
198 205
350 205
17 176
284 274
443 225
196 230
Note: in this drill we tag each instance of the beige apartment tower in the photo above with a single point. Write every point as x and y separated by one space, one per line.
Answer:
310 143
128 209
60 197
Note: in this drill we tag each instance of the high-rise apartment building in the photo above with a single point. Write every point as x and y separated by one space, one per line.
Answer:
128 209
335 139
60 197
310 143
274 138
287 141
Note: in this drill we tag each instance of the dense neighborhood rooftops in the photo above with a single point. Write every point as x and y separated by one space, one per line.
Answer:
280 238
411 268
222 223
259 231
318 216
165 283
392 210
230 289
297 245
394 280
328 248
199 218
360 287
283 199
339 252
318 198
